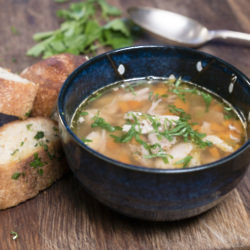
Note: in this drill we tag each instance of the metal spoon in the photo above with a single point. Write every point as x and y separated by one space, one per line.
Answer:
178 29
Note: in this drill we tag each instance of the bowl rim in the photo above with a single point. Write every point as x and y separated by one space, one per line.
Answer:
75 138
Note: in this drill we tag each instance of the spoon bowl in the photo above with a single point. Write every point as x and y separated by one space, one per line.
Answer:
178 29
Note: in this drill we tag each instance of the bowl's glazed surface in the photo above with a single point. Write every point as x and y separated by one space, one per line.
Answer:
154 194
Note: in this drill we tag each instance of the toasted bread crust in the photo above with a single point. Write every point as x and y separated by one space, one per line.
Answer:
33 177
50 74
17 98
28 185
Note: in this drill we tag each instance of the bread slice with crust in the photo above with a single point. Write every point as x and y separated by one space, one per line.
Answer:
31 159
50 74
16 94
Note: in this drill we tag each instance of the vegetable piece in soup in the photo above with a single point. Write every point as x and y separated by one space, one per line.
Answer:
159 124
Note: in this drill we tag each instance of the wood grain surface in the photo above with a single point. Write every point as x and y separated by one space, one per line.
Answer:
65 216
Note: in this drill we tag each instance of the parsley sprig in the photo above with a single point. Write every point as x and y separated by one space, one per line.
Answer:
100 122
180 91
185 161
183 128
84 30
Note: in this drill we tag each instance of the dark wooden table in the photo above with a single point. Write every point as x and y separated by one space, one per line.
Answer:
65 216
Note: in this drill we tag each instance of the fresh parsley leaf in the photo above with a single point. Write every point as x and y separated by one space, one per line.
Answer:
150 95
14 235
28 126
14 30
61 1
37 162
83 30
39 135
27 114
229 114
207 99
16 175
185 161
101 123
85 140
15 151
108 10
83 113
118 25
94 97
40 171
183 128
55 129
178 82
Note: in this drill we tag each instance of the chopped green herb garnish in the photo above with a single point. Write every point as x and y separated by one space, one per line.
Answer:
27 114
37 162
61 1
15 151
84 113
45 146
94 97
55 129
150 95
131 89
229 114
100 122
16 175
39 135
28 126
160 154
13 59
85 140
13 30
185 161
40 171
84 30
184 129
14 235
21 144
178 82
207 99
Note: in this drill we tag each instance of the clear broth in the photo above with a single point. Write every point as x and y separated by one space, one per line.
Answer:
160 123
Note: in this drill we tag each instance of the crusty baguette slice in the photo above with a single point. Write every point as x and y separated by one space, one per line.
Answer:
16 94
31 159
50 75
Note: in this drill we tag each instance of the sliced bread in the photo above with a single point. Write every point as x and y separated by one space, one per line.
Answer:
31 159
17 94
50 74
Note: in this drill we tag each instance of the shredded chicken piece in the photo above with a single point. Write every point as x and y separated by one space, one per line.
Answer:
138 95
178 152
151 110
112 107
205 128
234 138
98 140
219 143
164 142
92 113
196 159
145 125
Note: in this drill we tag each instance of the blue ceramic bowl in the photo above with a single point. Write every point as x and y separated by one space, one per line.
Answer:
154 194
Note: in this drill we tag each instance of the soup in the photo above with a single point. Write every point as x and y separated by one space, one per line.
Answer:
159 123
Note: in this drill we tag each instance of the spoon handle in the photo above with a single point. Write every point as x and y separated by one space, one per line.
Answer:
228 34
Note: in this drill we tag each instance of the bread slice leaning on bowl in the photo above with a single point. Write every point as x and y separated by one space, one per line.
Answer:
31 159
17 94
49 74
